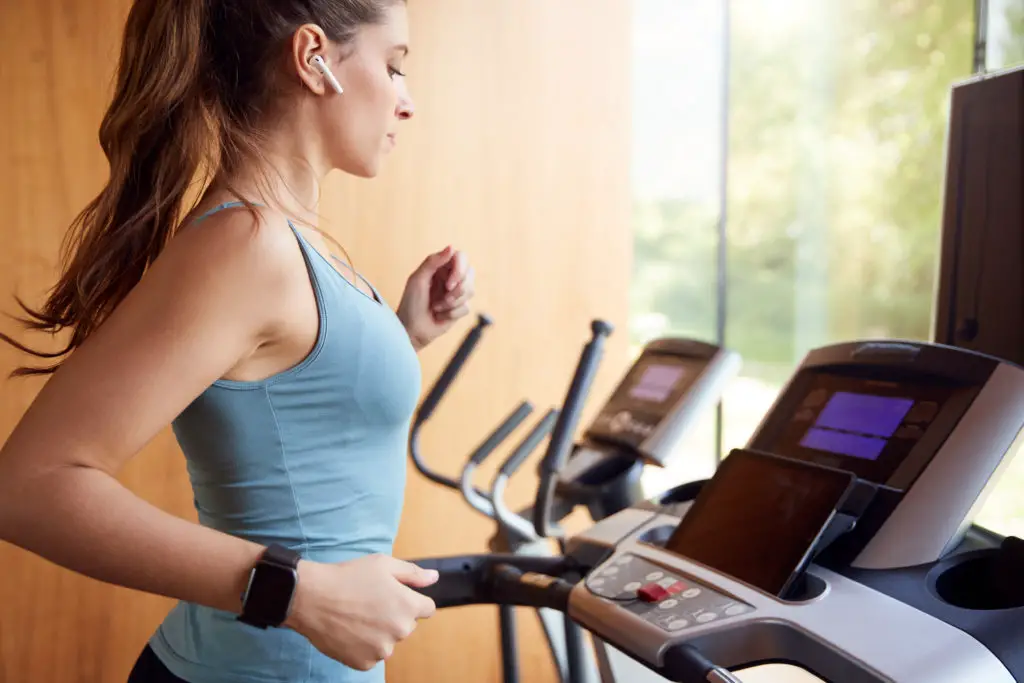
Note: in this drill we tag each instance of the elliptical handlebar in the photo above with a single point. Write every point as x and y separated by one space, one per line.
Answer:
437 392
565 427
478 499
452 369
508 520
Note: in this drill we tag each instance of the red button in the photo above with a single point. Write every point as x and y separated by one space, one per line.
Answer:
677 587
652 592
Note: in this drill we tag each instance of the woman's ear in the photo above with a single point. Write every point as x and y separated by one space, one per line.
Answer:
309 44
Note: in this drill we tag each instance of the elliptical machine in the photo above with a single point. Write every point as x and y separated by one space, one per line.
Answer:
517 534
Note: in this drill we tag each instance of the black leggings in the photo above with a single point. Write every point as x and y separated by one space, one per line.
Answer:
149 669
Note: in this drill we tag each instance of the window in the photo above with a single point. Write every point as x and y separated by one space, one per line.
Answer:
1005 34
678 115
837 115
838 119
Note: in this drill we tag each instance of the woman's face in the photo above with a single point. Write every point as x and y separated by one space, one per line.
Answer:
360 125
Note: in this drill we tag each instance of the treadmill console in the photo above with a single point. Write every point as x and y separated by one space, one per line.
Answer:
672 382
928 426
884 447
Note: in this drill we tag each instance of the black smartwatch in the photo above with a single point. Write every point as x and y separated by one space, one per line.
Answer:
267 599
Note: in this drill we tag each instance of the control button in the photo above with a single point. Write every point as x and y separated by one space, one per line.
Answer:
667 581
909 432
652 592
625 559
654 576
804 416
705 617
734 610
675 587
632 587
610 571
596 583
678 625
691 593
668 604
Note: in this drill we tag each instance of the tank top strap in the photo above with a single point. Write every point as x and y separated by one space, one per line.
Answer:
218 209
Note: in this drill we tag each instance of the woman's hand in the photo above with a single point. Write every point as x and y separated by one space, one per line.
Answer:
436 295
356 612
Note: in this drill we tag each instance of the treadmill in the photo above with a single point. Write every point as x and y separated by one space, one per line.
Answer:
840 540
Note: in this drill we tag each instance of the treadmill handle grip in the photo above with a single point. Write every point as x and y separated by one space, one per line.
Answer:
452 369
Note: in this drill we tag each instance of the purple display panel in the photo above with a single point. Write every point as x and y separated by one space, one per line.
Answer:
864 413
657 382
843 443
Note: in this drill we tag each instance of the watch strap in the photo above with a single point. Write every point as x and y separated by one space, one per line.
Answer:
280 555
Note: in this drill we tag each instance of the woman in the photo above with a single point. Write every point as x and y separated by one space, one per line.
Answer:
289 384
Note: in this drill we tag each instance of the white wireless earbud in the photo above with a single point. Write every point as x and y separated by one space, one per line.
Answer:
321 66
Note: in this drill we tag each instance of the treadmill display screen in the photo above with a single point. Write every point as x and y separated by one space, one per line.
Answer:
759 518
858 425
657 382
863 425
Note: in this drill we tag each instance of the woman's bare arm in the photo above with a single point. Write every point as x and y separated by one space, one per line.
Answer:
208 301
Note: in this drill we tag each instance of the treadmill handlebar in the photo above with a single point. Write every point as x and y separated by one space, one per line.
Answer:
543 582
501 579
565 427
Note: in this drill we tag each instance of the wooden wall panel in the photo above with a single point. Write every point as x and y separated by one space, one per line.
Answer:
518 154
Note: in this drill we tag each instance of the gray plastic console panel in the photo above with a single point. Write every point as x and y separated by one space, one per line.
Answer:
844 632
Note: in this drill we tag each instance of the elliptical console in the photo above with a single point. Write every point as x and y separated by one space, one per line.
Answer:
670 385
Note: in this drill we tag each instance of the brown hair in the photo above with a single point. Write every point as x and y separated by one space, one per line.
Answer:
193 85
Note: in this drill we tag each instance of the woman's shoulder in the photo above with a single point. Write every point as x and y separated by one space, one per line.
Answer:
250 232
233 254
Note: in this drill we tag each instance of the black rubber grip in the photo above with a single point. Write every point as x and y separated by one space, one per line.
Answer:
530 589
536 435
503 431
470 579
684 663
452 369
561 437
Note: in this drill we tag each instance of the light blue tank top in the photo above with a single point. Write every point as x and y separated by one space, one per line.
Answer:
312 458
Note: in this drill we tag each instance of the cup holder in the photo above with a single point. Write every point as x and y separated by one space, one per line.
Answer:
987 580
806 588
683 493
658 535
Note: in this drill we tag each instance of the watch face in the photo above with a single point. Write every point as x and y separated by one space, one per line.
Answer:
270 592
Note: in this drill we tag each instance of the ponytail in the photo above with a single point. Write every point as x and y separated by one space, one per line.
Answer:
195 80
156 138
